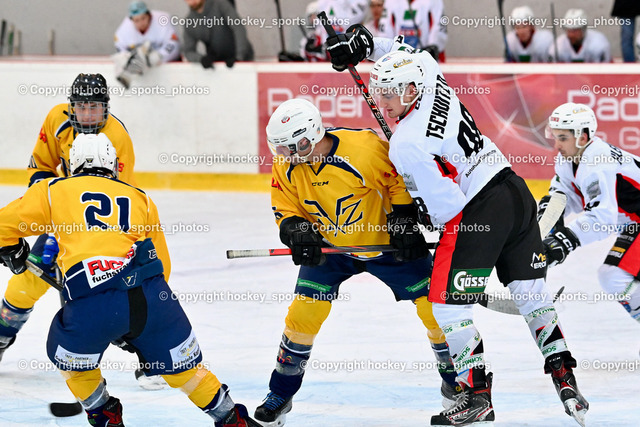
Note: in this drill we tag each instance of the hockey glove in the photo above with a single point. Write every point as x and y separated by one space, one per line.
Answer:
433 51
405 234
558 245
15 256
44 253
349 48
305 242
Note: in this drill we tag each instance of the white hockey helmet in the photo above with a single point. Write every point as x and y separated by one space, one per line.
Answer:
93 153
522 15
294 126
576 118
574 19
395 71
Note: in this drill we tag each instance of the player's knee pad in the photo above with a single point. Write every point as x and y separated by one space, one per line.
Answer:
530 295
546 331
199 384
25 289
425 313
306 316
88 387
12 319
292 357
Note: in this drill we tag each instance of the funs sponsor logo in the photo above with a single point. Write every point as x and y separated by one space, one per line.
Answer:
186 352
538 261
100 269
471 280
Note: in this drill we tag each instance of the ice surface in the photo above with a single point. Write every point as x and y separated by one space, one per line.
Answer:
367 331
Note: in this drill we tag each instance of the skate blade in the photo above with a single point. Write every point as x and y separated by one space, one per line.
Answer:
578 415
279 422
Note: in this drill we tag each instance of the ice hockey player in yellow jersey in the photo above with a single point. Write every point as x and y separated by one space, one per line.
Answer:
338 187
112 257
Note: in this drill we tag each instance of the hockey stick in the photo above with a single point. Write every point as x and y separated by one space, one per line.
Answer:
555 37
554 211
253 253
285 56
57 409
507 53
3 30
358 80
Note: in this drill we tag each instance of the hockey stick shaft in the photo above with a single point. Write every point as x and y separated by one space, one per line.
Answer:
254 253
377 114
507 53
280 29
44 276
555 36
555 209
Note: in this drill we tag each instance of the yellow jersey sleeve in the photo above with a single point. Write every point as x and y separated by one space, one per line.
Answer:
26 216
46 155
284 194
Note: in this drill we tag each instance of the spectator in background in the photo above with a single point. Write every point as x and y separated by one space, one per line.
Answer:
420 22
638 43
378 24
578 44
311 47
627 10
341 14
144 39
223 40
525 42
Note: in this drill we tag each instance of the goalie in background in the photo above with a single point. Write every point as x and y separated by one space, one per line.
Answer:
144 39
603 182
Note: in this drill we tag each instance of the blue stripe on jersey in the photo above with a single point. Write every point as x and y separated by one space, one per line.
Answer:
65 125
119 121
38 176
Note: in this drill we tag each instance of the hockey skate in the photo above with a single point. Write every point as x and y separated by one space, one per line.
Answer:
5 343
237 417
272 412
449 394
574 403
472 408
107 415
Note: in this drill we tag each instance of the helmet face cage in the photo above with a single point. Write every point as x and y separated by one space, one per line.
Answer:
89 103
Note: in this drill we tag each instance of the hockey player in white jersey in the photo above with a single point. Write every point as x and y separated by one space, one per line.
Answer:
578 44
527 43
144 39
460 179
603 182
421 24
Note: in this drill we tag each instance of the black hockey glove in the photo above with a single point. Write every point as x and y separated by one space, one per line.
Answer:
15 256
305 242
433 51
405 234
558 245
349 48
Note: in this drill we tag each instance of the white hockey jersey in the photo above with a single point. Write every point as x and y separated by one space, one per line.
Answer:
437 148
605 185
419 21
342 13
160 34
537 49
595 48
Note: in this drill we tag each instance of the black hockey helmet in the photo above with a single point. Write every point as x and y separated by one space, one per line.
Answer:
89 92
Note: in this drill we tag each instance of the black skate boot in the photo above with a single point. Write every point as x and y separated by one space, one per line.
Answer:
107 415
273 409
449 394
560 367
473 407
237 417
5 343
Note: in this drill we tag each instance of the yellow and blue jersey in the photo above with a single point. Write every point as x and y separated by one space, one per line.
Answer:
346 195
96 221
50 156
